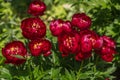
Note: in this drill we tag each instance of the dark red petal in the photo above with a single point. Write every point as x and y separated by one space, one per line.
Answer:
108 42
107 50
35 47
59 26
47 53
107 79
56 27
99 43
67 26
81 56
107 57
64 54
81 20
46 45
37 8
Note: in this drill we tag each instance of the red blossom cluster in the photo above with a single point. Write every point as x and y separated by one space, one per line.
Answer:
33 29
75 37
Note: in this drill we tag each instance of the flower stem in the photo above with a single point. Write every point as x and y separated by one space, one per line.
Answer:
80 70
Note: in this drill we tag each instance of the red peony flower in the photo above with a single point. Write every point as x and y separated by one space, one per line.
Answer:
88 39
40 46
107 50
105 47
104 41
46 47
35 47
47 53
99 43
81 20
14 52
33 28
106 53
59 26
107 57
86 43
37 8
108 42
69 43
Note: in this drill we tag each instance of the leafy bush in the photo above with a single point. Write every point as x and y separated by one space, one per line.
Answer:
105 21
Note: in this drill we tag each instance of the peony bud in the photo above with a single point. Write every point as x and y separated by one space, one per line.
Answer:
37 8
81 20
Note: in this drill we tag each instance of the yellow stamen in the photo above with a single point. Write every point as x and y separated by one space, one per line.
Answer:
35 25
37 45
69 42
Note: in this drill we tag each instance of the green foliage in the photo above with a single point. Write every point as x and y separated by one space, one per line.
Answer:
105 15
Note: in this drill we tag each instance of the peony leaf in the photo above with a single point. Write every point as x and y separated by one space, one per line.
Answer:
18 56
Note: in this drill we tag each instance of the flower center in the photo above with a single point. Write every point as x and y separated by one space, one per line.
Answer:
37 45
36 5
83 21
35 25
68 42
14 50
60 25
92 40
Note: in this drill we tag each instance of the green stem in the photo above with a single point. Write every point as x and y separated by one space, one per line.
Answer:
80 70
29 68
96 60
94 67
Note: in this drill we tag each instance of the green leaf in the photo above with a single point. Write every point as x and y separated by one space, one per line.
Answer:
5 74
68 75
110 70
55 72
18 56
84 76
